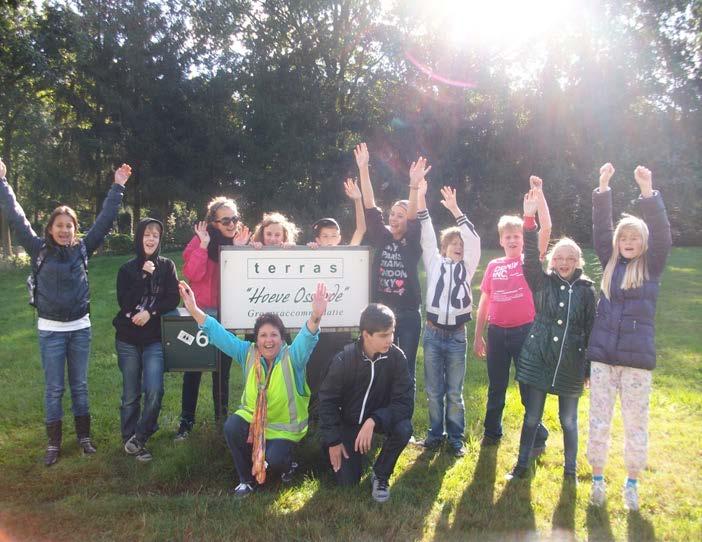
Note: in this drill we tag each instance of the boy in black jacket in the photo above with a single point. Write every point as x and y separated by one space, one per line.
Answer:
367 390
147 286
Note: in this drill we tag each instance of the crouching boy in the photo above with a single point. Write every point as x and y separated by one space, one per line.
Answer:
367 390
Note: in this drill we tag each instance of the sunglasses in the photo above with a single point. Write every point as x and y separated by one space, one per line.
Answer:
225 221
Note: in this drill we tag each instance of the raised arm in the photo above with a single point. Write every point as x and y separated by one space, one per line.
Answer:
417 172
362 157
656 218
471 239
544 215
14 214
427 238
354 193
110 207
533 272
602 227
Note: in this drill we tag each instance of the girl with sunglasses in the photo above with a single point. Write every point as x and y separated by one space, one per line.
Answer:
201 267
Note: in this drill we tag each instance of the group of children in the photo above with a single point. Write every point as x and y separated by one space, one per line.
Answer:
549 323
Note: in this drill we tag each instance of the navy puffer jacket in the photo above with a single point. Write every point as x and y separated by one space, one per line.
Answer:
624 331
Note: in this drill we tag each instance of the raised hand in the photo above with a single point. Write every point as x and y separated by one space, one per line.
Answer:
644 179
531 203
202 233
242 236
3 170
123 174
361 155
352 190
536 182
606 172
449 201
319 302
418 171
188 297
149 267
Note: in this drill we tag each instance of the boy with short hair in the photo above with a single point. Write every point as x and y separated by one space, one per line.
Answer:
367 390
506 303
147 287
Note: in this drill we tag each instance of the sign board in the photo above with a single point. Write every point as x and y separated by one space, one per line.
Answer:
185 347
255 281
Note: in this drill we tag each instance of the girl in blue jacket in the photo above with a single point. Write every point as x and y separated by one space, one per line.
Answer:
621 347
62 298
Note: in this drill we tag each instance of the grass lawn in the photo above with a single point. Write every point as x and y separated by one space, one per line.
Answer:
182 493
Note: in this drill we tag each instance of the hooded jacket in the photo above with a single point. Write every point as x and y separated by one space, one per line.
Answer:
138 290
62 292
357 388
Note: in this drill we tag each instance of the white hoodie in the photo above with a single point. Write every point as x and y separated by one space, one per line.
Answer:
449 299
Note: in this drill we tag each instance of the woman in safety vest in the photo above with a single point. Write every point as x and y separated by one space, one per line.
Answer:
262 432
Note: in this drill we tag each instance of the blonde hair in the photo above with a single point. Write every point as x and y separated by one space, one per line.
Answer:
636 270
508 222
216 204
290 230
565 242
447 237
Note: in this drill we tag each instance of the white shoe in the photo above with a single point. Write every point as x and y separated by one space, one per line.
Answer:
631 497
598 492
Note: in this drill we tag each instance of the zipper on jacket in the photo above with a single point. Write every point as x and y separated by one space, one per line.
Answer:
448 293
565 331
634 325
365 397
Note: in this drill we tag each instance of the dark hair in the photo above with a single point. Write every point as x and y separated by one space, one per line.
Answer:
324 223
272 319
60 210
376 317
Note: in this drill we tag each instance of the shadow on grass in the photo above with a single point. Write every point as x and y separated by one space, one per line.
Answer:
639 528
563 519
598 524
475 507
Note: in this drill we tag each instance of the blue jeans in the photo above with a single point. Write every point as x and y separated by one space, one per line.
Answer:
142 372
278 451
444 371
58 350
568 414
408 328
503 347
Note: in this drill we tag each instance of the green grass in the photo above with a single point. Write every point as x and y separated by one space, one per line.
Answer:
181 495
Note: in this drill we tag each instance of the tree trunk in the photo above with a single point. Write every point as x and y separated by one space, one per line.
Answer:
5 237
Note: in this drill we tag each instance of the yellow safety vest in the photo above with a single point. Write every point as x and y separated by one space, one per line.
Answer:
287 408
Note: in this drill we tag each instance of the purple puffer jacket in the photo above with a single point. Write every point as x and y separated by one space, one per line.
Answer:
624 330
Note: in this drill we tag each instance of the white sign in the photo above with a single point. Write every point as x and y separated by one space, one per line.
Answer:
255 281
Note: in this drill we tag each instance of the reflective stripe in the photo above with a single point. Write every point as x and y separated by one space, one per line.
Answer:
289 387
290 427
247 369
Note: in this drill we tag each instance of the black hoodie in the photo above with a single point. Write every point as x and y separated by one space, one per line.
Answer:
138 290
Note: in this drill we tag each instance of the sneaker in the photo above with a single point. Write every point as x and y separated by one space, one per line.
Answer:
517 473
429 444
287 477
380 489
458 451
598 492
143 455
243 490
183 432
490 441
631 497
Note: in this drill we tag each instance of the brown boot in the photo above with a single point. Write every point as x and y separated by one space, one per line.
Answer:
83 434
53 448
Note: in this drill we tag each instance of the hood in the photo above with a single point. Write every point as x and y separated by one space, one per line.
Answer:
139 238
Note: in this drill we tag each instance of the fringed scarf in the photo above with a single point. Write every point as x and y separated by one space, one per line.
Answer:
257 428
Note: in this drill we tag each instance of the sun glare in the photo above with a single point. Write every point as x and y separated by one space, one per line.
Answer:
500 24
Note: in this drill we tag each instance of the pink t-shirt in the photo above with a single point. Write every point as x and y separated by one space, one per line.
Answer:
511 302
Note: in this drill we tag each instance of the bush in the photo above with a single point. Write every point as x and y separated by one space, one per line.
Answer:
124 222
118 243
179 226
16 261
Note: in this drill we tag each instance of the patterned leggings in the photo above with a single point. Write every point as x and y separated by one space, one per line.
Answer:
634 389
